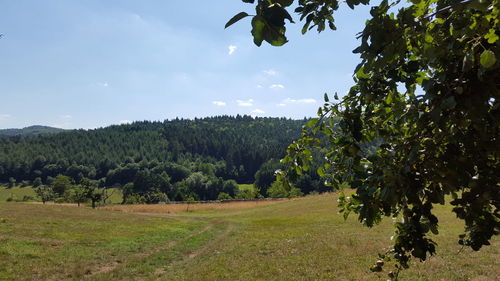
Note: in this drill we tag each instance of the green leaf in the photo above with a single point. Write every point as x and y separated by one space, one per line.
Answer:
258 25
275 37
235 19
321 172
360 74
487 59
491 36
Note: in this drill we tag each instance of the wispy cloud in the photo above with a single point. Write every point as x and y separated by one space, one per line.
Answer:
219 103
289 100
280 105
231 49
259 87
277 86
104 84
5 116
258 111
245 103
270 72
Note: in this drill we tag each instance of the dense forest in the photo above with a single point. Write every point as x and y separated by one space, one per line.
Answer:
182 159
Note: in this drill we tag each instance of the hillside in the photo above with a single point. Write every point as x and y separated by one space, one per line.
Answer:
30 131
156 156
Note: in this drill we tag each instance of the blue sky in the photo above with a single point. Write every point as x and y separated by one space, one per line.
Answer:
93 63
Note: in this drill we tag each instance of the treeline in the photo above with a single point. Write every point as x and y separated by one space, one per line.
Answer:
183 159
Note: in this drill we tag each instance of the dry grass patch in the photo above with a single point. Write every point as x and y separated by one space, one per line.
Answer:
183 207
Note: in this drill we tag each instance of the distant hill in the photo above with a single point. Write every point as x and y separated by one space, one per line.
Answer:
181 158
30 131
237 146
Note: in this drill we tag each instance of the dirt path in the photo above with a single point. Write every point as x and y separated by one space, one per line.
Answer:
116 265
207 248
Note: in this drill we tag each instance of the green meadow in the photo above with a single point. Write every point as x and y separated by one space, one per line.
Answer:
302 239
17 193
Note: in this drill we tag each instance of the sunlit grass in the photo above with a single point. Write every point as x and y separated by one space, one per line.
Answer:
293 240
16 193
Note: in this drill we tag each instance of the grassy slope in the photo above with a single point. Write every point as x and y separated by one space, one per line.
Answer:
16 193
296 240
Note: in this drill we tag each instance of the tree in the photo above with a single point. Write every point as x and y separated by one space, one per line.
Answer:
77 193
12 182
37 182
91 191
280 190
45 192
60 184
426 99
266 175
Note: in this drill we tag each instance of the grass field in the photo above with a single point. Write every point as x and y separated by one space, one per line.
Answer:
19 192
16 193
246 187
186 207
292 240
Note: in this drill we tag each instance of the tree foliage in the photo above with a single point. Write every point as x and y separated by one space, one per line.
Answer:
426 92
149 158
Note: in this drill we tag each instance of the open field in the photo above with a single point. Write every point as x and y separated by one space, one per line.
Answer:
185 207
246 187
19 192
16 193
291 240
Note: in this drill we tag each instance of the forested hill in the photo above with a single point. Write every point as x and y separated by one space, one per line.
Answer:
29 131
225 147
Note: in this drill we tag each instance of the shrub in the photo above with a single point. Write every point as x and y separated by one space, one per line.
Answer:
224 196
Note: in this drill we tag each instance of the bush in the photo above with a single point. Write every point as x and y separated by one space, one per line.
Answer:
60 200
248 194
28 198
156 197
224 196
295 192
277 190
12 182
135 199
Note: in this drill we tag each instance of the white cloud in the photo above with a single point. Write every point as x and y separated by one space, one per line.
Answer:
280 105
259 87
289 100
219 103
232 49
245 103
258 111
277 86
104 84
122 122
5 116
270 72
